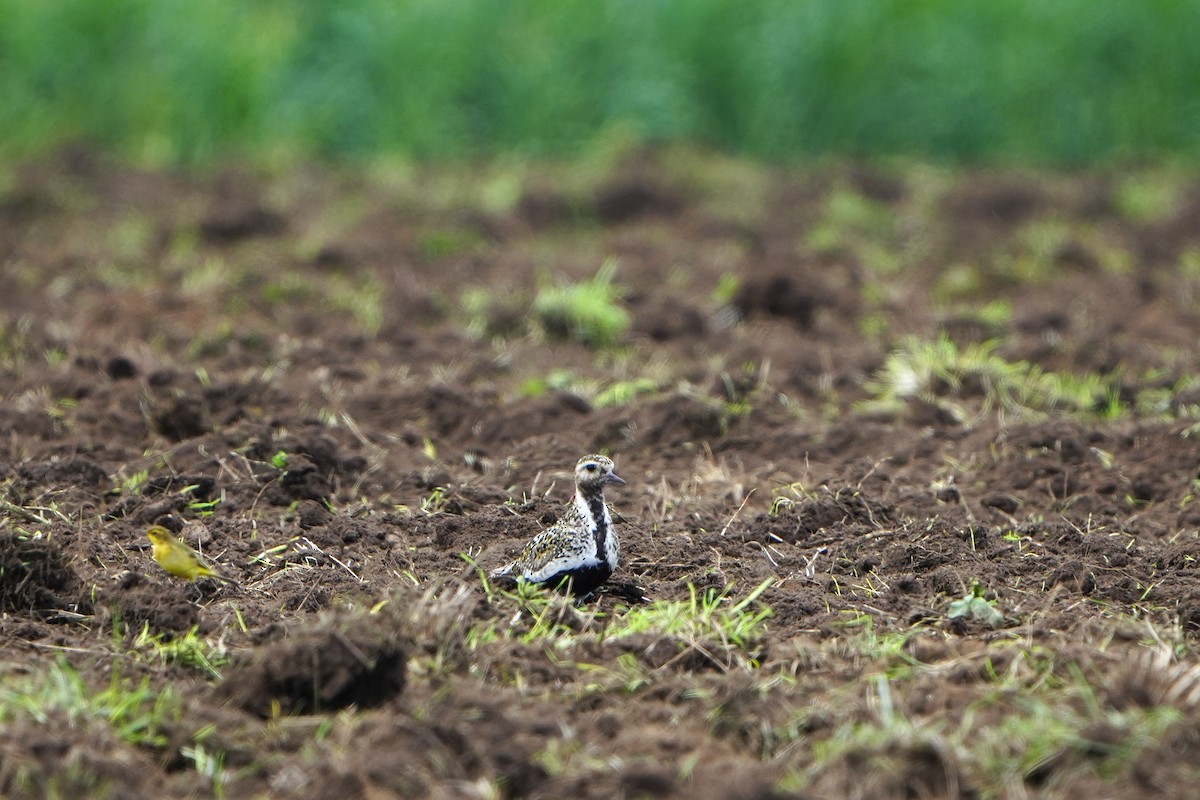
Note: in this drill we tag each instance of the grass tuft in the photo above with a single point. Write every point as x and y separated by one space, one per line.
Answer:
136 712
930 370
587 312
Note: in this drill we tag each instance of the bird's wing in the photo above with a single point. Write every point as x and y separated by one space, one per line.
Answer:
540 550
536 552
534 555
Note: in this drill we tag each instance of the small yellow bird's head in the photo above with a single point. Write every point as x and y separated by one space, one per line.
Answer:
159 535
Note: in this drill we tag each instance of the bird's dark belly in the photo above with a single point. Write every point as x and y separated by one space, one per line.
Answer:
581 581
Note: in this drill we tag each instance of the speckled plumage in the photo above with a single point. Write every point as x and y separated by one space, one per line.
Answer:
582 546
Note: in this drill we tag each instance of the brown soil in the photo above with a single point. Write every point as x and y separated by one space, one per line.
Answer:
166 336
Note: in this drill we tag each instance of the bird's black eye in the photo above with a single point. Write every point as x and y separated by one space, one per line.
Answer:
590 467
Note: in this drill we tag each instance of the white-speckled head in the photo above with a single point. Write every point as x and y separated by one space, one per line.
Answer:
593 471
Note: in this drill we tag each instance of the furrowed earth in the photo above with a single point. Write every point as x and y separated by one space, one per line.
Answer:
340 386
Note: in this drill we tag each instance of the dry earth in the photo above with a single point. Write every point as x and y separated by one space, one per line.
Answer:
166 336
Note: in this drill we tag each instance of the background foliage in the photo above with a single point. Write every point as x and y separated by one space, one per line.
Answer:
167 80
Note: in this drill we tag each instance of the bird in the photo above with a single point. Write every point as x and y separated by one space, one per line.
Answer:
178 559
580 551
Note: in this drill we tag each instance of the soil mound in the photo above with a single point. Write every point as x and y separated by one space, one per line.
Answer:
343 660
35 575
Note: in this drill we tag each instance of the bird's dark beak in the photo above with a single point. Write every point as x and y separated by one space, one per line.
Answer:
614 478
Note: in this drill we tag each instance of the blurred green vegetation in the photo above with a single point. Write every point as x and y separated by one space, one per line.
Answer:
1070 81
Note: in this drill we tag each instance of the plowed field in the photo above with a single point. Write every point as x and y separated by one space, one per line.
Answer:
845 397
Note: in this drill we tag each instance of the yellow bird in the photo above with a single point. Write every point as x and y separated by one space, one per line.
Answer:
178 559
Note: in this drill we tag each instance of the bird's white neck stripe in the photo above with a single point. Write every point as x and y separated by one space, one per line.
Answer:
585 512
594 512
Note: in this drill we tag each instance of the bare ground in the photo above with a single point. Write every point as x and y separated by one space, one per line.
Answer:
165 337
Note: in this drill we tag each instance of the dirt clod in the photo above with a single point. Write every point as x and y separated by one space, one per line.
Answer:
34 575
343 660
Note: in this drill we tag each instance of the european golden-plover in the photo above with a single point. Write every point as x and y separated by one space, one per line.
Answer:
580 551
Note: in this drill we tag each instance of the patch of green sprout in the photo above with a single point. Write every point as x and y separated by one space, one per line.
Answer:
212 343
958 281
338 219
728 630
1144 198
15 342
887 647
203 508
189 650
134 483
1071 726
996 313
280 460
779 505
55 356
874 325
931 369
436 502
129 238
880 259
476 303
362 297
975 607
622 393
628 676
546 616
1189 265
617 393
562 755
449 242
113 275
137 713
588 312
847 219
1116 259
1040 243
210 276
706 618
241 620
210 764
290 288
61 407
727 288
1034 717
558 380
